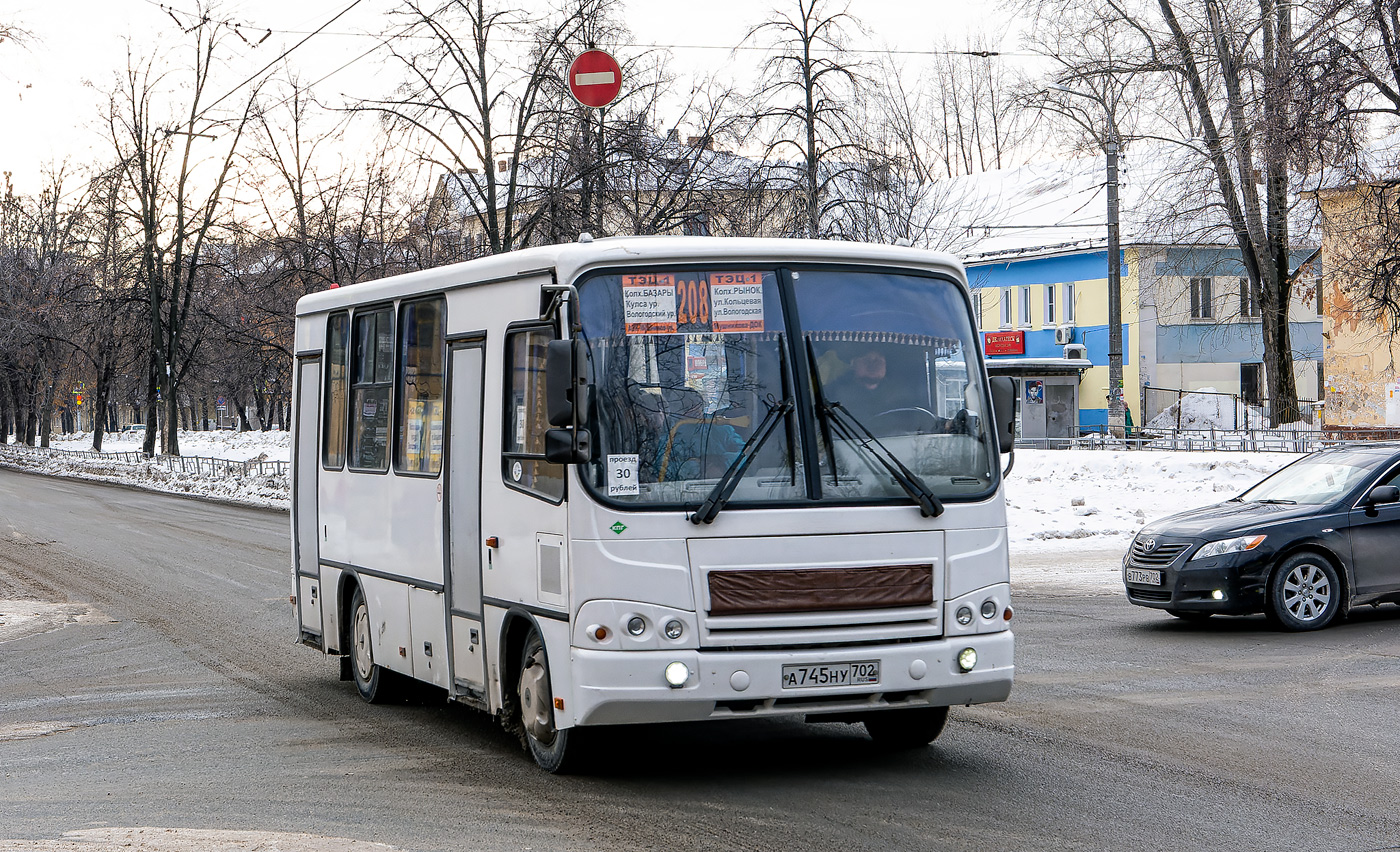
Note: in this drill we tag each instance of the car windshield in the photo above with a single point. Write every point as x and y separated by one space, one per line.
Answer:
690 365
1314 480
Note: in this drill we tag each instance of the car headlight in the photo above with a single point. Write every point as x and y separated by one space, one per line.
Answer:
1228 545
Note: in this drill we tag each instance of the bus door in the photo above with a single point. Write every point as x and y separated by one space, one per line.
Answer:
463 539
308 462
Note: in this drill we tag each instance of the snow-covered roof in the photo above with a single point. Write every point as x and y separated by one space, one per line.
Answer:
1166 196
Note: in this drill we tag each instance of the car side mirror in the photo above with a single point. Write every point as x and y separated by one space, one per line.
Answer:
1004 399
1383 494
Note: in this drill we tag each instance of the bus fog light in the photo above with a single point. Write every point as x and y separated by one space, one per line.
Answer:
674 629
677 674
989 608
967 660
964 615
636 625
1217 595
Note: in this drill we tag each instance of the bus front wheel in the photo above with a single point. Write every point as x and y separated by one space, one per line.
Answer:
553 749
904 729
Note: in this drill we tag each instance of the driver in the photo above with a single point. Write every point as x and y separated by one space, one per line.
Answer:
867 391
864 389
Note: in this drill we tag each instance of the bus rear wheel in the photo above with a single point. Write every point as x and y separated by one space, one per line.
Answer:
906 729
376 684
555 750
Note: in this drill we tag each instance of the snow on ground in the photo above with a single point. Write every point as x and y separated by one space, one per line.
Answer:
1070 513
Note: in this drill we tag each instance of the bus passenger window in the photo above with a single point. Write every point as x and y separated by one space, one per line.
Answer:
418 443
337 383
371 382
522 462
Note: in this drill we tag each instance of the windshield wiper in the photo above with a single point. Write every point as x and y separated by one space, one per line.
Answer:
1277 502
724 489
834 414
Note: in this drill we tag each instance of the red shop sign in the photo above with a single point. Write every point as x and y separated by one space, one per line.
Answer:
1004 343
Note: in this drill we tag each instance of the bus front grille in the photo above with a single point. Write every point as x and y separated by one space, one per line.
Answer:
795 607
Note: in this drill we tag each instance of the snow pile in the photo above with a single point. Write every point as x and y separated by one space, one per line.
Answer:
218 444
1204 409
264 490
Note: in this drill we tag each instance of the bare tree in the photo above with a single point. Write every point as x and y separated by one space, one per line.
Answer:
1234 65
806 91
176 169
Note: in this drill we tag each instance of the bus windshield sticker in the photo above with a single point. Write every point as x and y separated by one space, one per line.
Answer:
649 303
622 475
736 301
693 302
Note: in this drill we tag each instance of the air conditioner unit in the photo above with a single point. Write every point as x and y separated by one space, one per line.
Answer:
1064 334
1076 352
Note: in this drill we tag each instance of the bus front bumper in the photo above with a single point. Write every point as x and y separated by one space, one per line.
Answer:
627 687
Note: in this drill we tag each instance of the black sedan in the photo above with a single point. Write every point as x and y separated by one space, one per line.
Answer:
1303 546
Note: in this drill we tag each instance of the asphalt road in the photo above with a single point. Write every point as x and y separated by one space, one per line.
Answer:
174 696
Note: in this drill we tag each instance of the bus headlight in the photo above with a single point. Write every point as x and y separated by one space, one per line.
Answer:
636 625
989 608
967 660
677 674
964 615
674 629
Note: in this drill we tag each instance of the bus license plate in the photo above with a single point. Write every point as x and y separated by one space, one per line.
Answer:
1139 575
831 674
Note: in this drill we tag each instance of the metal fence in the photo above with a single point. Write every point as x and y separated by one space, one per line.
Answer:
1239 440
1170 408
183 464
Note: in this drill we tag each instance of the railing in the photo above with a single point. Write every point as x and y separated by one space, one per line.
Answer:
183 464
1302 440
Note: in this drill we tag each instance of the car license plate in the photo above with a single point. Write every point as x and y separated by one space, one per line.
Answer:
1139 575
831 674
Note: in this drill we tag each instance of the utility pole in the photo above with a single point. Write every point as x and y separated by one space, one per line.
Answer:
1115 294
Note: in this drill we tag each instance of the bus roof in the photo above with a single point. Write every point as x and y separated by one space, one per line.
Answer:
568 260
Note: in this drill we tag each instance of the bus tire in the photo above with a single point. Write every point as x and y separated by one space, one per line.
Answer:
906 729
374 683
553 749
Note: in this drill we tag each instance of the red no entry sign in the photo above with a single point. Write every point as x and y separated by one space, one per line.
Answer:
595 78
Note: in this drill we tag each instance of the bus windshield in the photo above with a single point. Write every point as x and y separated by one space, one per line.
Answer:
701 374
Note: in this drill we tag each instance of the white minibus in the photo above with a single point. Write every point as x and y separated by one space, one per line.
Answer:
652 479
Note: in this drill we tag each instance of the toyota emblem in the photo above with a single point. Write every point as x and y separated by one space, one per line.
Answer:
1149 545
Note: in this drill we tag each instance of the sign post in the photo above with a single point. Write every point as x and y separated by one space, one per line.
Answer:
595 80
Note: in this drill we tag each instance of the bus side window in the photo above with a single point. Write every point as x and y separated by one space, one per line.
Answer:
418 442
337 384
522 459
370 385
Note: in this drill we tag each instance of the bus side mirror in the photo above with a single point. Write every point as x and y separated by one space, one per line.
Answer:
1004 400
566 382
567 446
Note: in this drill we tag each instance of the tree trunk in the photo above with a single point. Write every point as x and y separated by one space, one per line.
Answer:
46 414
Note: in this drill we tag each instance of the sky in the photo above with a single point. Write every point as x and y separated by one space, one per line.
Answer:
51 87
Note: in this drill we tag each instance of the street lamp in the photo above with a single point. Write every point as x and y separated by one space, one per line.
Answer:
1115 283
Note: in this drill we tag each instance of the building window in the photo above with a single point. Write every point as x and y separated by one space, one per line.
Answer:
1008 307
977 309
1069 303
371 384
522 459
1050 304
1200 298
1249 299
1025 307
422 353
337 383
